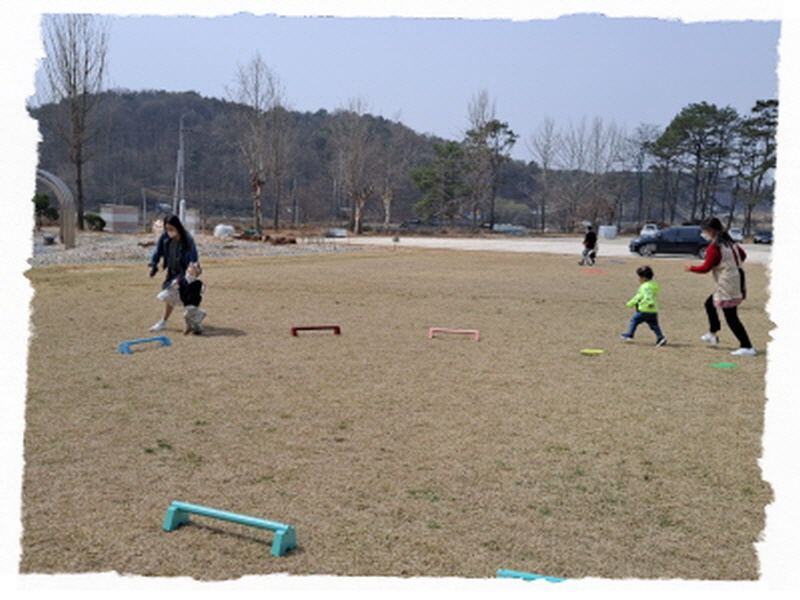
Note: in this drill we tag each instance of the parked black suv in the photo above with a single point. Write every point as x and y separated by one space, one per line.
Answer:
683 239
762 237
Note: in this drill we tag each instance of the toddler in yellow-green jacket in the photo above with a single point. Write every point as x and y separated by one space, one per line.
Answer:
646 306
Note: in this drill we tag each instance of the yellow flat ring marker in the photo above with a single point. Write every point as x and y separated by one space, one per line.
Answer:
591 351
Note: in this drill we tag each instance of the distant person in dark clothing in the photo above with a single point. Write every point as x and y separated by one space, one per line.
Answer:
177 249
589 247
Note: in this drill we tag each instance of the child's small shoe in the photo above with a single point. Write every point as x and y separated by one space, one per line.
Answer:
160 326
626 337
661 341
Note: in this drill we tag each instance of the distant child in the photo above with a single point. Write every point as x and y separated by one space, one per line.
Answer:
589 247
191 291
646 306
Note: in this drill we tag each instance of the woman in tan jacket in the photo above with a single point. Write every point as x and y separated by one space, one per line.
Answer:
724 259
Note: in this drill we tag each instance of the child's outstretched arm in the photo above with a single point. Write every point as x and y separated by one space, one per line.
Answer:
635 300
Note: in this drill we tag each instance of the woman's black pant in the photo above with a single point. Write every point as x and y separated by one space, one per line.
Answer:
731 318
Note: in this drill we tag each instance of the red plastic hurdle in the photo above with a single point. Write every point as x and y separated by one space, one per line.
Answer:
336 329
473 332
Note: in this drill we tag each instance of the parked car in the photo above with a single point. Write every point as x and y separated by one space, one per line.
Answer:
681 239
648 230
736 233
762 237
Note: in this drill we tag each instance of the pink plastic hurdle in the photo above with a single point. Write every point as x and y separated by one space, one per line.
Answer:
473 332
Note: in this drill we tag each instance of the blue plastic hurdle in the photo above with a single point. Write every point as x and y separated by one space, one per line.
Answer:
526 576
178 514
125 347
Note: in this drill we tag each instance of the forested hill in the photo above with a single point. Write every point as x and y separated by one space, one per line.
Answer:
350 167
135 154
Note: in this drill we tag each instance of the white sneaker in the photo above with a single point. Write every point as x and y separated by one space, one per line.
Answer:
160 326
744 352
710 338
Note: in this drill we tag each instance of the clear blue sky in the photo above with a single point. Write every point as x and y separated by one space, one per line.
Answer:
424 72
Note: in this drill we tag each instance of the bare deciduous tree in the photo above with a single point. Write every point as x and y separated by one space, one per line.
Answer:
488 143
574 182
255 91
639 158
589 155
545 145
397 157
353 142
279 139
76 46
606 144
480 111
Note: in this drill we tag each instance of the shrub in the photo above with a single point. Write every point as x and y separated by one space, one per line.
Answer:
43 210
95 222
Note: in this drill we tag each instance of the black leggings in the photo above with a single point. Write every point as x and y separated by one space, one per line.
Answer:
731 318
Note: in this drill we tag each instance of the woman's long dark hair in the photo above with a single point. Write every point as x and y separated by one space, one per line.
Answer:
715 225
175 221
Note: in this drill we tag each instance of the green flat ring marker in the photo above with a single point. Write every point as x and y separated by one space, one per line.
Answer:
723 365
591 351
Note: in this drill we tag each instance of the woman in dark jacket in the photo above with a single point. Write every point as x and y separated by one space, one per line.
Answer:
177 249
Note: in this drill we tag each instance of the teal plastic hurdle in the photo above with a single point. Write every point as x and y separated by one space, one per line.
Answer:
285 535
125 347
526 576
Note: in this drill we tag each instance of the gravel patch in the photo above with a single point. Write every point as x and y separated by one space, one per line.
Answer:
99 247
102 247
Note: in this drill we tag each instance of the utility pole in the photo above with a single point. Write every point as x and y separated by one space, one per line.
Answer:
144 210
178 195
295 218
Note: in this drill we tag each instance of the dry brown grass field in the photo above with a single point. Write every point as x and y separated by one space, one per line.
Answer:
393 454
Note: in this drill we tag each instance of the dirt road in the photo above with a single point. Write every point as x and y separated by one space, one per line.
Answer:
617 247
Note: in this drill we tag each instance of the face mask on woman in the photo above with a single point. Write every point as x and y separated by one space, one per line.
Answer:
707 236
